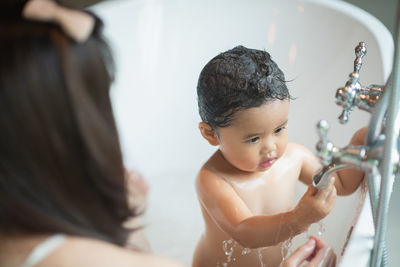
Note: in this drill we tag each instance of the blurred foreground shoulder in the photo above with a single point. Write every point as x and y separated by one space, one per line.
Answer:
79 252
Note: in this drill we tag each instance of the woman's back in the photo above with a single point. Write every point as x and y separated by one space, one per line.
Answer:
74 251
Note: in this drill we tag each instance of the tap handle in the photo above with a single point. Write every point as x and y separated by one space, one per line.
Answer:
344 117
346 96
324 146
360 51
322 128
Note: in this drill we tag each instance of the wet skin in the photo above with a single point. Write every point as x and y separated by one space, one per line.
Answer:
246 188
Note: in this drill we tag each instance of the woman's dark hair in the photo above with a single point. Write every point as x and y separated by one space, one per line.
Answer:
238 79
61 166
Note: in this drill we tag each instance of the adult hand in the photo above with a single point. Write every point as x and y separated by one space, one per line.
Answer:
316 251
138 189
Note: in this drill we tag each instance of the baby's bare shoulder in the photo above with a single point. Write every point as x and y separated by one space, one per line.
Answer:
207 179
297 150
209 170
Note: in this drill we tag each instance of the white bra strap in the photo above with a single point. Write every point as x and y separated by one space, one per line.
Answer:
44 249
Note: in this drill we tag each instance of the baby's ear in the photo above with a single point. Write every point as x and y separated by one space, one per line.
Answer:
208 133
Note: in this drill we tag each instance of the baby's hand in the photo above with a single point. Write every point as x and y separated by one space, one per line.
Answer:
316 204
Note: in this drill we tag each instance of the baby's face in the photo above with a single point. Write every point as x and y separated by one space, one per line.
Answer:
257 137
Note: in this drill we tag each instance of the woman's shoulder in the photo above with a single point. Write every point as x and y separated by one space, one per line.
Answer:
89 252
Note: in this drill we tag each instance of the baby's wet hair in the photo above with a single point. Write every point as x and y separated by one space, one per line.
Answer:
238 79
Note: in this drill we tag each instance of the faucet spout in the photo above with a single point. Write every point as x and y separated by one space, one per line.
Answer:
321 179
335 159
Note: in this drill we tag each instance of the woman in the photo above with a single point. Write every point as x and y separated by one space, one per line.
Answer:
63 191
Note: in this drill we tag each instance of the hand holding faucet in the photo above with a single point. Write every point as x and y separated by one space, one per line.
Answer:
334 158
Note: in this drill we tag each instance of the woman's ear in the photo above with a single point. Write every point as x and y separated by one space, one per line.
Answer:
208 133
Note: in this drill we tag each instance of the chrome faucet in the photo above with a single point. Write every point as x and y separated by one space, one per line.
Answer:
379 157
334 158
353 94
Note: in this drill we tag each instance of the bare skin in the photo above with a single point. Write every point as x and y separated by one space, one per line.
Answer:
246 189
316 252
137 198
76 252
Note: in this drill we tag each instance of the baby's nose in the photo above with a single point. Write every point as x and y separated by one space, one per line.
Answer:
268 147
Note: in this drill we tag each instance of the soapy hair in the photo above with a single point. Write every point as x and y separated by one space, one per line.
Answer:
238 79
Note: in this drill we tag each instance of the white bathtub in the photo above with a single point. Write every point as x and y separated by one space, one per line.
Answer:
160 48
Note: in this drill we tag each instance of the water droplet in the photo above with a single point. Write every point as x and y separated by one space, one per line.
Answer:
321 229
285 248
260 256
246 251
228 247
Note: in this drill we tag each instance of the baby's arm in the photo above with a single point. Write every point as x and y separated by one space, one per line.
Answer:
351 178
347 180
232 215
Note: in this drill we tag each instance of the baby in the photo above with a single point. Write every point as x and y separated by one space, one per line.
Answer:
246 189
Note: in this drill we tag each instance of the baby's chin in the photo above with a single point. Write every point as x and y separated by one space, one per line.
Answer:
264 169
257 168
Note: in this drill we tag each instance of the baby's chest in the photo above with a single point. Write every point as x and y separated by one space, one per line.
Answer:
269 195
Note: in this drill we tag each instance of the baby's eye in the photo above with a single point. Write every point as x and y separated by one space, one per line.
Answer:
253 140
279 130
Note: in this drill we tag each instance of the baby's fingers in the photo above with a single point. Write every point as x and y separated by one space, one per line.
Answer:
327 192
332 196
311 191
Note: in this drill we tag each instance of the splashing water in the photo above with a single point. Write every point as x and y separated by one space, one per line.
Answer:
286 248
321 229
318 229
260 256
228 247
246 251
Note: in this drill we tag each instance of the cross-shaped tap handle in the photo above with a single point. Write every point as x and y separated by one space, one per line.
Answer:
347 95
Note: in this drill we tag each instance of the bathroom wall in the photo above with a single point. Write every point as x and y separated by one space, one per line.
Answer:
385 11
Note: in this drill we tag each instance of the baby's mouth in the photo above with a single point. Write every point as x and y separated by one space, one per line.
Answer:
268 162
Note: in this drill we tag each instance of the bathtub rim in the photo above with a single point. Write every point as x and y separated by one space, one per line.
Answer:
376 27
